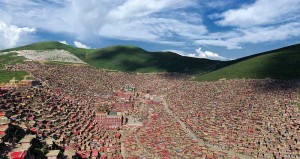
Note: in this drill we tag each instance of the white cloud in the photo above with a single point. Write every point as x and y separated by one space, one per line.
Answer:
10 34
209 55
151 29
261 12
219 42
167 22
267 34
259 22
64 42
254 35
80 45
200 54
217 4
151 20
134 20
134 8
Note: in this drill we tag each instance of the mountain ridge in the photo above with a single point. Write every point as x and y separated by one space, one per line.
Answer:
131 58
282 63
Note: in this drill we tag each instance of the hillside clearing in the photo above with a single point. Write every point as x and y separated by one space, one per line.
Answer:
10 59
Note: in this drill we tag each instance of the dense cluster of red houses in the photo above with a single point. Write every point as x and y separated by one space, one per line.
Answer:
255 117
258 118
61 123
64 121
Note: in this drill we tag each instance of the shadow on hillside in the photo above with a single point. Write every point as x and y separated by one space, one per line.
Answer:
276 85
110 53
138 60
282 65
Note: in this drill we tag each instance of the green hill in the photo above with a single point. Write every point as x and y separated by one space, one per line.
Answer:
132 59
282 63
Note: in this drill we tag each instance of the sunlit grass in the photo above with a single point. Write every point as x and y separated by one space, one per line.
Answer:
10 59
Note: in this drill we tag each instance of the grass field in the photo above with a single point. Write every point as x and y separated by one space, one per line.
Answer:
10 59
6 76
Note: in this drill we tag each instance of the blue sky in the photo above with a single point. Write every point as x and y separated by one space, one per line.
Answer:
218 29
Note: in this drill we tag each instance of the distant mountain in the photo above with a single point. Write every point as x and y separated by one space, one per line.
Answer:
282 63
131 59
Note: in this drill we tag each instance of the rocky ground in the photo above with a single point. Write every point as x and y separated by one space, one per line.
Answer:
51 55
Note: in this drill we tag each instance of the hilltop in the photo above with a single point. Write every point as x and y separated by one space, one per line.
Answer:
131 59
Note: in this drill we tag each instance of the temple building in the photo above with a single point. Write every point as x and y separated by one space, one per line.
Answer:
111 120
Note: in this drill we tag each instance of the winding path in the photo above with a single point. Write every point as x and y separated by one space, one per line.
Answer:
201 141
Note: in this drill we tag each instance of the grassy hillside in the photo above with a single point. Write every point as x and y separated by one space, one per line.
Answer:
132 59
53 45
9 59
282 63
6 76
